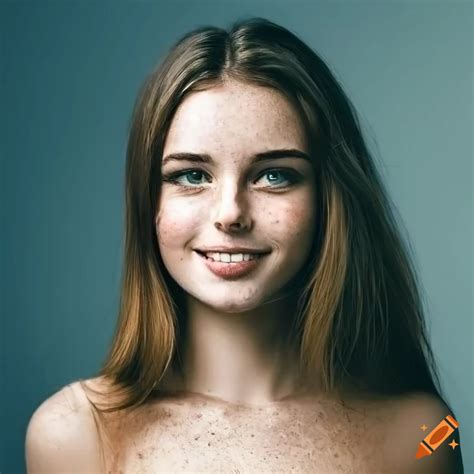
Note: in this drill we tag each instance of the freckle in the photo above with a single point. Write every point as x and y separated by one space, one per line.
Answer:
253 436
336 455
213 433
209 443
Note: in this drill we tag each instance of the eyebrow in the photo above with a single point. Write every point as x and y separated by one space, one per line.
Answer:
263 156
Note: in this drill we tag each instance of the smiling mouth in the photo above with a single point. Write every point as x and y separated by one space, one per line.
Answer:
231 270
246 257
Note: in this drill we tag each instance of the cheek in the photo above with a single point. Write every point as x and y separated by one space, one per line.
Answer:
176 222
294 219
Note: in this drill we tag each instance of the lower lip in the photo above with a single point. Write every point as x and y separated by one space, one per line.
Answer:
231 270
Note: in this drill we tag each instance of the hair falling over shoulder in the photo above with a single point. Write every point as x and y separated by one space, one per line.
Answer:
360 316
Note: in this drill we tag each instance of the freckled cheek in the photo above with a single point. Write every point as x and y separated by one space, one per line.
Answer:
294 220
176 223
304 218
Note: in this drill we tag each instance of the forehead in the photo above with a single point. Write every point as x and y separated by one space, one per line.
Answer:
235 116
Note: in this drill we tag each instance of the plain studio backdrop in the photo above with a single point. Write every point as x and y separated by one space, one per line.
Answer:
70 75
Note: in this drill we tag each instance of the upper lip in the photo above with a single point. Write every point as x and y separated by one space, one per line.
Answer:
230 250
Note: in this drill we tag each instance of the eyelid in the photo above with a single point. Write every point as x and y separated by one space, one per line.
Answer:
178 173
202 170
293 176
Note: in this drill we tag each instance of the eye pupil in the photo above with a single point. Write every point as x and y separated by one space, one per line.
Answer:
195 175
273 173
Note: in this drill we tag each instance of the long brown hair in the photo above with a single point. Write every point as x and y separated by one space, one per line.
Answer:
360 315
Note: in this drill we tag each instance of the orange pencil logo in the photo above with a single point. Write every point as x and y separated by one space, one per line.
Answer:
445 428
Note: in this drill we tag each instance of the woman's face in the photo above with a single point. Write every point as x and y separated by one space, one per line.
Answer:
232 200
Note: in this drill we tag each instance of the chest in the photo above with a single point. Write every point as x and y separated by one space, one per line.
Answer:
209 439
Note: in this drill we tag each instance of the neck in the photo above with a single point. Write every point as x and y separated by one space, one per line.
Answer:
246 357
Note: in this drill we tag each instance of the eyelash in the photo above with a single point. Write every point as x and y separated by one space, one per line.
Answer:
291 176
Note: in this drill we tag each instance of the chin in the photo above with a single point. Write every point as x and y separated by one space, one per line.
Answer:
234 306
228 305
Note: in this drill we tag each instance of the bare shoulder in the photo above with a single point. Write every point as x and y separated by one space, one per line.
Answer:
61 435
410 419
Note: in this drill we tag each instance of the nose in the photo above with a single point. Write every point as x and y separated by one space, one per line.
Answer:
231 209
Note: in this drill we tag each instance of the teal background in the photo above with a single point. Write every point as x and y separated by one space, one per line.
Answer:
70 72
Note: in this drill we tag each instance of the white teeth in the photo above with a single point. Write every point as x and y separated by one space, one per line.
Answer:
230 257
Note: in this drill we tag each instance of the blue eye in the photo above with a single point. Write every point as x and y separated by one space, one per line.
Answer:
193 177
286 176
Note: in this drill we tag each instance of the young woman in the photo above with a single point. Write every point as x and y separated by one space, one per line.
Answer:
270 316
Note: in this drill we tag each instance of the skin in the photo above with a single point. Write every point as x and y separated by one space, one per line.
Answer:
235 349
235 355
